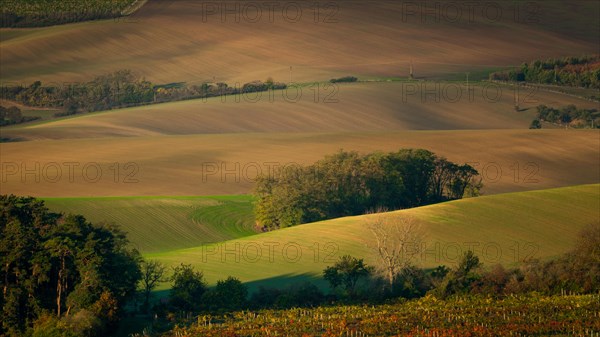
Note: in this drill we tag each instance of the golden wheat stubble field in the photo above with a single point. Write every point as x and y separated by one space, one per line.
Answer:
318 107
510 160
230 41
207 148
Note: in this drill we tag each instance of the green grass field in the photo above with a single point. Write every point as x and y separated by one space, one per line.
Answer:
156 224
504 228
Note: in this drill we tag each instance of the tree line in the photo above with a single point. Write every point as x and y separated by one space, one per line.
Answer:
581 72
577 271
38 13
566 116
118 90
348 183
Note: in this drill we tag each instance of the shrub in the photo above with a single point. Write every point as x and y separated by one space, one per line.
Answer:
462 278
535 124
229 295
346 273
343 79
188 288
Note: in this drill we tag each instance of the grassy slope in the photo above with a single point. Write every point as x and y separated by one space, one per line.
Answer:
504 228
169 41
157 224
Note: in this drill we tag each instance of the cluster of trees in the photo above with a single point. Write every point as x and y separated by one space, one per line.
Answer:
180 92
577 271
13 115
61 275
569 71
343 79
37 13
347 183
117 90
190 293
568 115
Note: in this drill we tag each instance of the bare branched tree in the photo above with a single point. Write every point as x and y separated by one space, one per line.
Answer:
398 240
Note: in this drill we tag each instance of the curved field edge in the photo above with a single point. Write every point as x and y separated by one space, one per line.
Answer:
365 106
165 223
504 228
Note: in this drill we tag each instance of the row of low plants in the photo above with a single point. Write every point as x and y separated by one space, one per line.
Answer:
522 315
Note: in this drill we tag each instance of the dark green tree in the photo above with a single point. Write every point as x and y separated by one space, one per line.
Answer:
188 288
535 124
461 279
346 273
229 294
60 265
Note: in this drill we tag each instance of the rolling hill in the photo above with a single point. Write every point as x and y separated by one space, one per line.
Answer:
155 224
371 106
223 164
188 41
505 228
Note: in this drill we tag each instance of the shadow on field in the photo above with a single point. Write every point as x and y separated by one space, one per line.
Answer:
286 280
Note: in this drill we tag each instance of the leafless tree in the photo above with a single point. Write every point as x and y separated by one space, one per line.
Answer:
398 240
